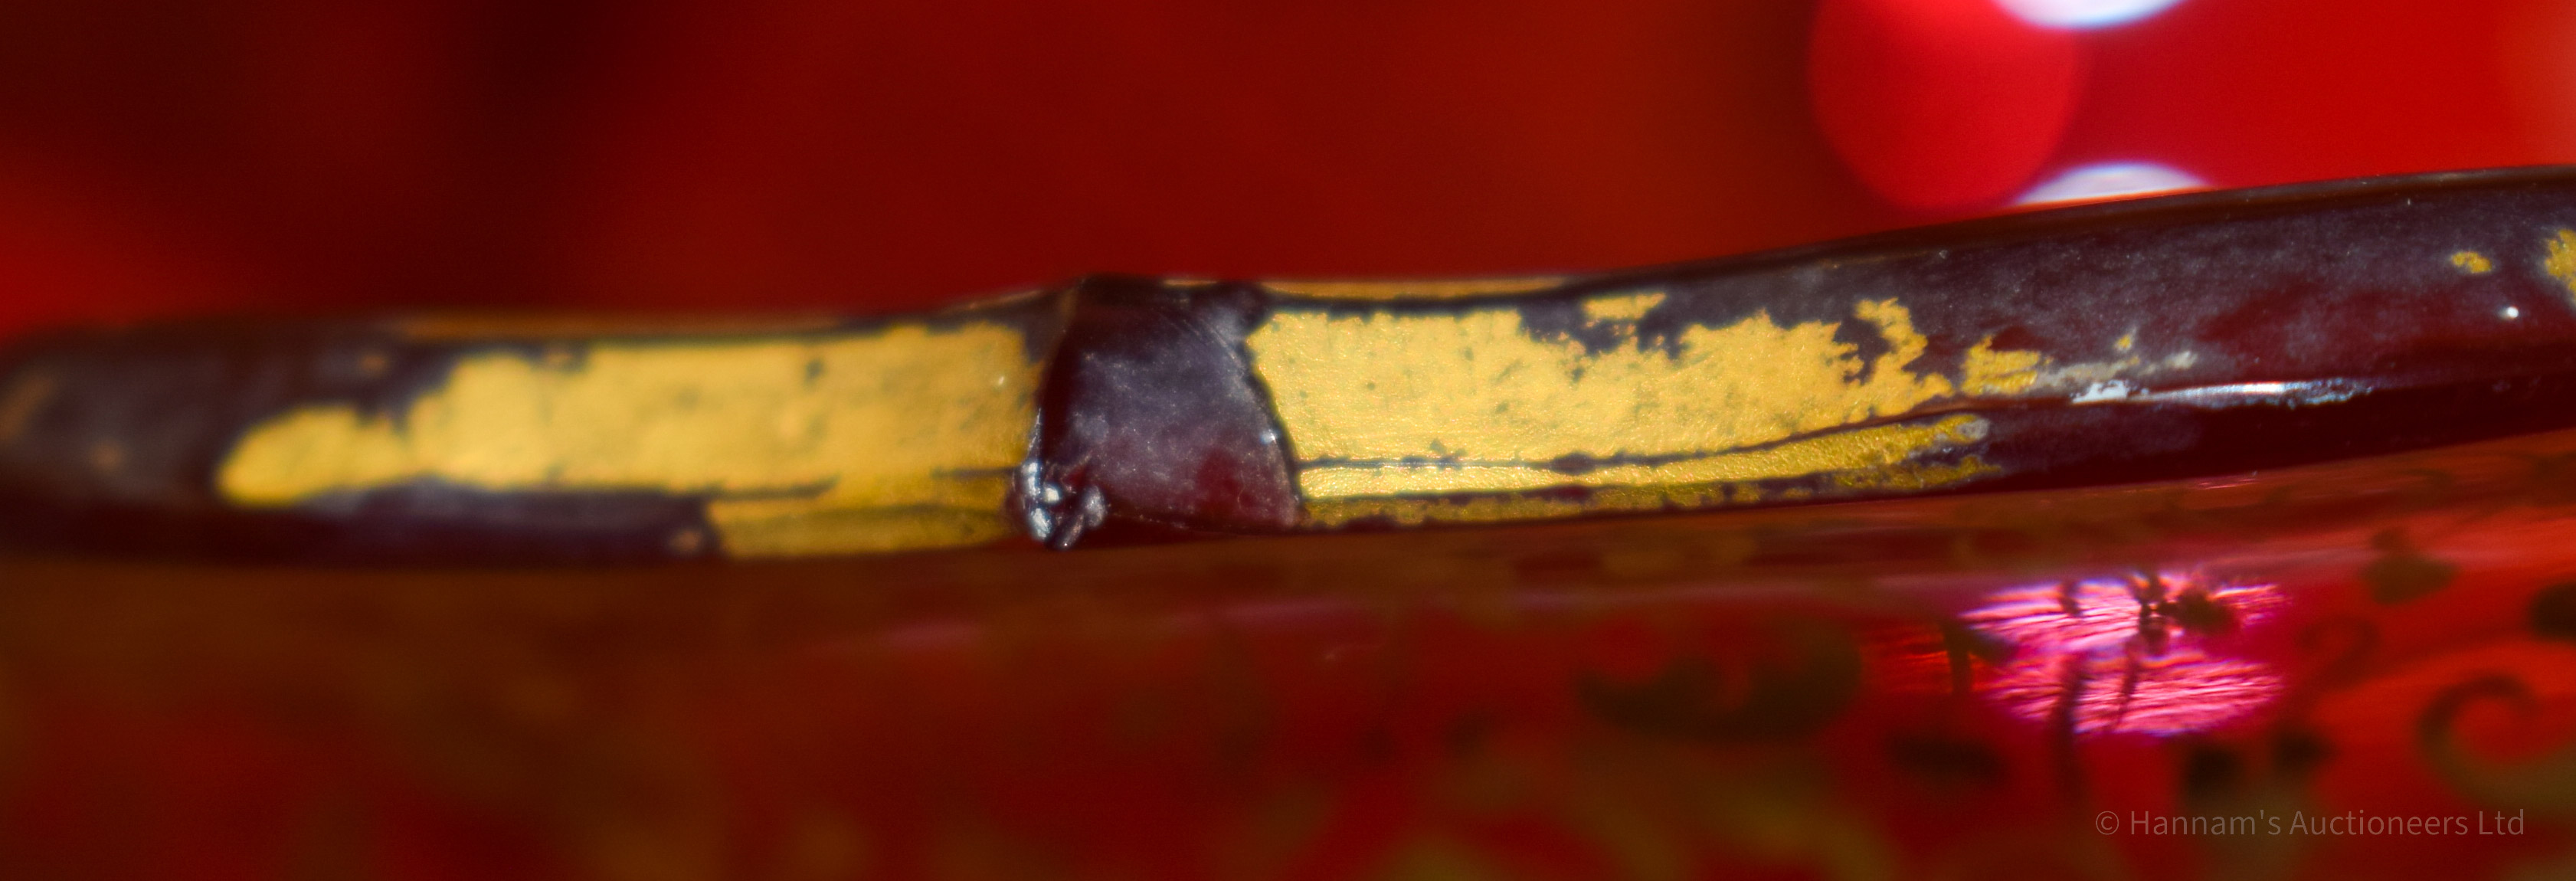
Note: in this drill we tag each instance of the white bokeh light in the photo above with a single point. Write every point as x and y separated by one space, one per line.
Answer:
2082 14
2111 180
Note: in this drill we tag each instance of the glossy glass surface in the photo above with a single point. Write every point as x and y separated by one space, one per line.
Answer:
2320 661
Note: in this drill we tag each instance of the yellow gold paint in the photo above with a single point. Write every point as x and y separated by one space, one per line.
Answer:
895 438
1874 447
1415 511
1384 406
1504 507
1625 307
1478 387
1990 371
2472 262
1447 289
1915 476
2562 259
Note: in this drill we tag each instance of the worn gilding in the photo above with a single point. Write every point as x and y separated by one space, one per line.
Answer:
1393 404
1832 452
1991 371
882 440
1896 474
2561 262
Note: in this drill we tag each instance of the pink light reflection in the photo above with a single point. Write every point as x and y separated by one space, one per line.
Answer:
2129 654
2183 690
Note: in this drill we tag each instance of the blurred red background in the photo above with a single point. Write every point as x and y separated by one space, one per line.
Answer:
167 156
164 158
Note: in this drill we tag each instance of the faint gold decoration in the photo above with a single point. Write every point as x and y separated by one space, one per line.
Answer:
895 438
28 393
2472 262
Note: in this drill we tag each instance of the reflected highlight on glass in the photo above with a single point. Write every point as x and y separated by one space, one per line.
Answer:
2111 180
2083 14
2127 655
